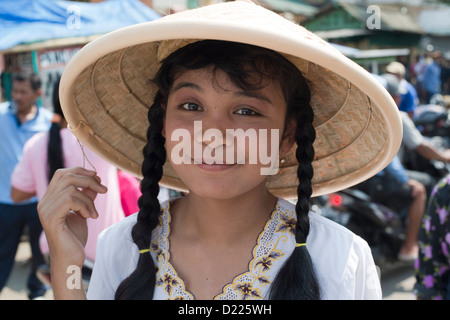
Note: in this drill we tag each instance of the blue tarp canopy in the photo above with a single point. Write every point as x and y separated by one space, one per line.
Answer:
28 21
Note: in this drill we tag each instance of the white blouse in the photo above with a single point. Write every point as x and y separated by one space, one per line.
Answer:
342 260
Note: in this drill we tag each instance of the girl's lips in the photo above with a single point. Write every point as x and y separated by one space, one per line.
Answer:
213 166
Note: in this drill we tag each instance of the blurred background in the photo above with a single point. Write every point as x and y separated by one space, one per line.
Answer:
41 36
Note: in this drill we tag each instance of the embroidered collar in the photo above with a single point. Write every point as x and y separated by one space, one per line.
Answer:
274 245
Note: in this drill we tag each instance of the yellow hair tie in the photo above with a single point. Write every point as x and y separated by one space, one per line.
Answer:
144 250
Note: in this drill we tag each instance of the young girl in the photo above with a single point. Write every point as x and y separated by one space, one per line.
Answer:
232 236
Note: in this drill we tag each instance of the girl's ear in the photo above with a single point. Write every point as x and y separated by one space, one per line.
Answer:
288 139
163 131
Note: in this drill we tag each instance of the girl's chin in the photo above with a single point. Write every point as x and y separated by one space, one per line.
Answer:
220 181
223 190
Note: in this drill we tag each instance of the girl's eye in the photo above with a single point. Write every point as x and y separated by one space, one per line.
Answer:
247 112
189 106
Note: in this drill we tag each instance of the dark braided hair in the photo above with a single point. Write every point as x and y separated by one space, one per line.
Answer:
294 280
141 283
55 157
248 67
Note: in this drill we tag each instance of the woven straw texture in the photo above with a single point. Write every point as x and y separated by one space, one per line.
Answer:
107 102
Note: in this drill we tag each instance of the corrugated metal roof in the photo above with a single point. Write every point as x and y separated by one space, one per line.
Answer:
355 53
436 21
295 7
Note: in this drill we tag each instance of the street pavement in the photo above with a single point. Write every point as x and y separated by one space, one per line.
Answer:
397 284
16 287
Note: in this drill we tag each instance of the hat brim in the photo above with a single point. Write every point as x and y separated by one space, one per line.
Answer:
105 94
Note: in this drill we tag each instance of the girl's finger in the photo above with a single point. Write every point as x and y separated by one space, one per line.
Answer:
81 203
60 173
71 178
90 193
54 209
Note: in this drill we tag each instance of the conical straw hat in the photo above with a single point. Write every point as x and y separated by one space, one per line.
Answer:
105 94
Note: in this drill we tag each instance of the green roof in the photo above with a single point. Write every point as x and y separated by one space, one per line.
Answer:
293 6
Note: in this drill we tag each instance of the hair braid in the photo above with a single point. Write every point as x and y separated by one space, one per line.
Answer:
305 136
141 283
297 278
55 156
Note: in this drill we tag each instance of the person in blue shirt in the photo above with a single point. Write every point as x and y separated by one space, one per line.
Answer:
409 99
20 119
432 76
396 188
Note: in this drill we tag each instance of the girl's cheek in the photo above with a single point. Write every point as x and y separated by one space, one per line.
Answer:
179 142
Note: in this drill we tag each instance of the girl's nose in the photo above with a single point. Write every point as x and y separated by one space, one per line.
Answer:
216 130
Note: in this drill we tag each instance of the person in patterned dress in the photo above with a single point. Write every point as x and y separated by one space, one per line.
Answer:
432 268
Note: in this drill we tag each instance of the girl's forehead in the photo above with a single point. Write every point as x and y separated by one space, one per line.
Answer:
222 81
204 76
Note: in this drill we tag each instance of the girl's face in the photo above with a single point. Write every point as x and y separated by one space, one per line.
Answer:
206 116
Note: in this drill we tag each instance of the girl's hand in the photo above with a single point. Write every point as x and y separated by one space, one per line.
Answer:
63 211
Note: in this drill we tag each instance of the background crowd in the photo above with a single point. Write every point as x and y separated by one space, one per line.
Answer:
35 141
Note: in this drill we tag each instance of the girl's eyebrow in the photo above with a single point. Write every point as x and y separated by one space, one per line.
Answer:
252 94
182 85
246 94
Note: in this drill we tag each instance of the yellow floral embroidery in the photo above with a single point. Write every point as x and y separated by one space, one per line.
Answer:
168 281
245 285
246 290
263 280
287 224
268 256
159 253
266 262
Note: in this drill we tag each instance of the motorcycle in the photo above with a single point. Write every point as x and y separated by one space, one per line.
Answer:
433 120
382 227
436 169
